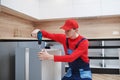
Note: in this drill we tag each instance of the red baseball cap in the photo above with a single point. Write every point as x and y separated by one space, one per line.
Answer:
69 24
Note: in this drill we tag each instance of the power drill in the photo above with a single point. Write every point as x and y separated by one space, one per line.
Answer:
39 36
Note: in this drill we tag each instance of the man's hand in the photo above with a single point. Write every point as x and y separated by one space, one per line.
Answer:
43 55
34 33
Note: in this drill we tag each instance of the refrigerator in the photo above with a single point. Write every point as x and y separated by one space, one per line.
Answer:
29 67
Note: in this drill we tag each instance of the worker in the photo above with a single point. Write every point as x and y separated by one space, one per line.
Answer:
76 51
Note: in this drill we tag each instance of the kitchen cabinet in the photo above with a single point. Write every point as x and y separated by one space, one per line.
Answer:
105 55
27 7
69 8
86 8
78 8
110 7
55 9
46 9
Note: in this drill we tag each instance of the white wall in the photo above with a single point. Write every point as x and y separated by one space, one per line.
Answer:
28 7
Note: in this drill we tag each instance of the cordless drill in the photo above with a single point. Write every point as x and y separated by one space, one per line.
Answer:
39 36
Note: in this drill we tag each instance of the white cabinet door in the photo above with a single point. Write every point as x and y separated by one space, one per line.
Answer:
86 8
55 9
28 7
50 9
110 7
51 69
69 8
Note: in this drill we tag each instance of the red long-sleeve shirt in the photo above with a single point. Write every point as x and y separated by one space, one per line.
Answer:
81 51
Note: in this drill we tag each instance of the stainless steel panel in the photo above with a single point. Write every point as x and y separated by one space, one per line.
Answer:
95 52
34 65
20 64
111 52
111 64
95 43
27 64
31 44
7 60
112 43
96 64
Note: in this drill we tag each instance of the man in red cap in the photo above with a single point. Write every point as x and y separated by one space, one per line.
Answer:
76 51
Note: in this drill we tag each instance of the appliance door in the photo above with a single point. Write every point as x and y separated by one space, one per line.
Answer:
51 70
29 67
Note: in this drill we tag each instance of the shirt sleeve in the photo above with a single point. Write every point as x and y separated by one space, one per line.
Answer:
56 37
80 51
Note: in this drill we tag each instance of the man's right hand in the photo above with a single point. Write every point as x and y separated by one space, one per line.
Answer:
34 33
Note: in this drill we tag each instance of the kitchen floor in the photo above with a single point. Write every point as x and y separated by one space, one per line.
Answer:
106 77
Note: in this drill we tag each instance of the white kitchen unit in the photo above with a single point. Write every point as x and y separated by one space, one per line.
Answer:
52 9
78 8
27 7
51 70
86 8
29 67
110 7
105 55
69 8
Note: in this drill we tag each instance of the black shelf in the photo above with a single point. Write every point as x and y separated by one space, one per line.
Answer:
105 71
104 57
101 70
100 47
102 39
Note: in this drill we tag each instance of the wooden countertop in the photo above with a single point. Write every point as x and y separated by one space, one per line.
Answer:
23 38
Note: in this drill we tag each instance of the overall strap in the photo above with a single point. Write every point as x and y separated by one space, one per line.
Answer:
67 43
76 44
79 42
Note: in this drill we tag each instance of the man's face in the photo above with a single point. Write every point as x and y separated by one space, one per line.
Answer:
70 33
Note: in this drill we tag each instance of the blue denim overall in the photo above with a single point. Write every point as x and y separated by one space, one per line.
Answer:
78 69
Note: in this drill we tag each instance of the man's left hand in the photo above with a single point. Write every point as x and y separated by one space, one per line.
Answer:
44 55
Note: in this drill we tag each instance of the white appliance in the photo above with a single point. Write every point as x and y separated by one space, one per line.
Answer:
29 67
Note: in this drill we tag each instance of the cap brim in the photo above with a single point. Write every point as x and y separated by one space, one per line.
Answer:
65 28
